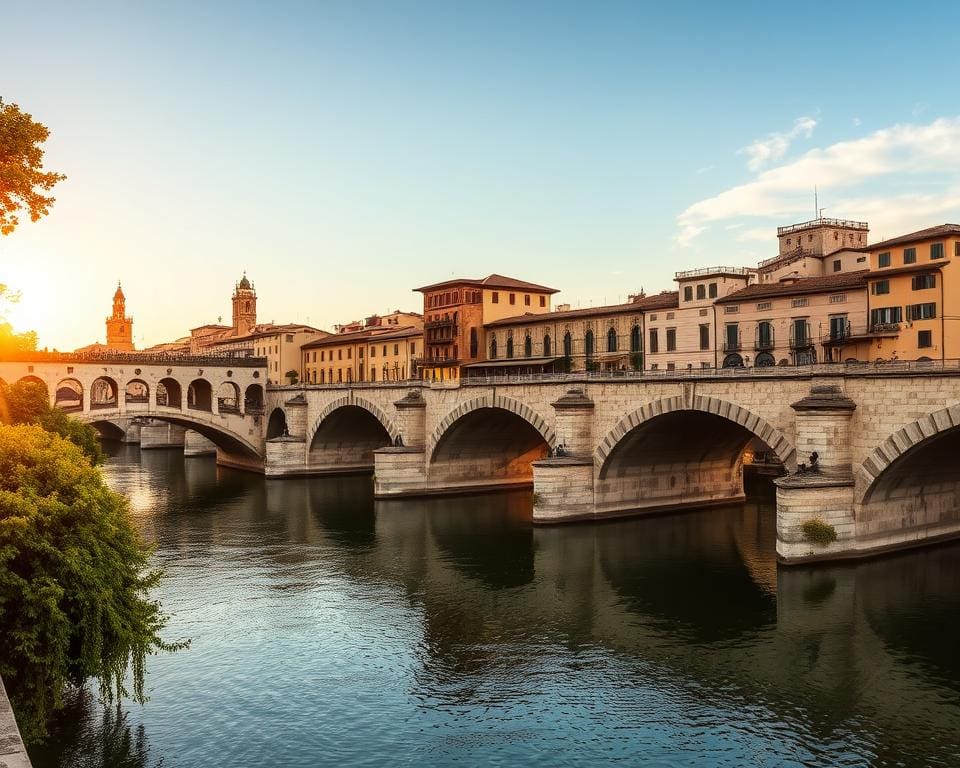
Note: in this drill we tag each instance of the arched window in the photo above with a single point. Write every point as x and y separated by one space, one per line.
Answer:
528 346
635 339
612 340
588 344
546 345
493 348
509 346
567 345
473 342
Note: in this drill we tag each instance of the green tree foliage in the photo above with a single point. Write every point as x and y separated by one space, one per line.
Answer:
74 579
27 402
293 376
23 181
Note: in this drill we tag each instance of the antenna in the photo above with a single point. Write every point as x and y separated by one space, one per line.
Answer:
816 202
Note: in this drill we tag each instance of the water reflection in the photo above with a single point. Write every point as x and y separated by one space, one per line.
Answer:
329 627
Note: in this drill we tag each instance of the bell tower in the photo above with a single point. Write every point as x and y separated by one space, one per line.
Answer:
119 326
244 307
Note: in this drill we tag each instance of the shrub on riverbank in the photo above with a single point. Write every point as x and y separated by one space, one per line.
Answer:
74 579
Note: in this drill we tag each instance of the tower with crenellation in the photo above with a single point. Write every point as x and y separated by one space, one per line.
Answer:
119 326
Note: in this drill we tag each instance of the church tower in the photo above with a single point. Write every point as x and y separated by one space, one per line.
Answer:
244 307
119 326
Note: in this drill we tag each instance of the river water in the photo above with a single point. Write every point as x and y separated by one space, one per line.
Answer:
330 629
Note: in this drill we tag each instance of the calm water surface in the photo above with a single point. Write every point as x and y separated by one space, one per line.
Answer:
329 629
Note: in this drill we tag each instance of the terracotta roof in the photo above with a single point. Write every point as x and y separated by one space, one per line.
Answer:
380 333
804 285
491 281
666 300
941 230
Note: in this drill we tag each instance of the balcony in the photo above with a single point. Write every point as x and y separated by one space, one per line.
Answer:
848 332
446 323
764 343
732 345
435 362
821 222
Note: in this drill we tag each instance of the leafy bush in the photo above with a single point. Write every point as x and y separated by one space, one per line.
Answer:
819 532
74 579
636 360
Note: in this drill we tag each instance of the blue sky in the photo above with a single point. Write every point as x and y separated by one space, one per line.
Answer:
344 153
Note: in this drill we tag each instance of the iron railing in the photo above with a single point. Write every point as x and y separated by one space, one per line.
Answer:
821 222
130 358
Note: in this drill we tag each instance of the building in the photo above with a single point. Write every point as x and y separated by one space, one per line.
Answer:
456 311
119 326
244 306
913 303
279 344
376 353
795 321
395 319
817 247
595 338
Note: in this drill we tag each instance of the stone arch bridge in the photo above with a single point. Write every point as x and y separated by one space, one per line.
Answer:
607 446
220 398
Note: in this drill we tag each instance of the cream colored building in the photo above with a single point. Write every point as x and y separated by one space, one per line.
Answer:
378 353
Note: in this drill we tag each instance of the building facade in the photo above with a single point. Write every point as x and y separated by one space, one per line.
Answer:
456 311
377 353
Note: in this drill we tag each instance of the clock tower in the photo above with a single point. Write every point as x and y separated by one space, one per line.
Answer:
119 326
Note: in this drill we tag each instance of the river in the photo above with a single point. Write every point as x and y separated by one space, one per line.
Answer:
327 628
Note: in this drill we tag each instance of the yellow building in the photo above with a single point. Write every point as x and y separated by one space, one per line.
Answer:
913 303
377 353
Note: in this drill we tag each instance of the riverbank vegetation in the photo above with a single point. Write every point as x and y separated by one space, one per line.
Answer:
75 579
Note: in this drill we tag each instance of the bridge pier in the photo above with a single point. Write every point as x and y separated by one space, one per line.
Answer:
195 444
822 493
161 434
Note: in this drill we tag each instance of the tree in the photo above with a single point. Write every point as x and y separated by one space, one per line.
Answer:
27 402
74 580
293 376
23 181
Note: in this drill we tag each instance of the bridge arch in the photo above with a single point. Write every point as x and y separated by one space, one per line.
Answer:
231 443
104 392
253 399
68 395
169 393
491 440
276 424
137 391
347 431
678 452
200 395
909 480
228 397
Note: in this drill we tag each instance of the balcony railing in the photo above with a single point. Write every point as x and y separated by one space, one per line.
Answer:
821 222
422 362
447 322
840 334
801 338
691 273
732 345
764 343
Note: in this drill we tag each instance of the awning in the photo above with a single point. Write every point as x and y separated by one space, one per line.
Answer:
514 362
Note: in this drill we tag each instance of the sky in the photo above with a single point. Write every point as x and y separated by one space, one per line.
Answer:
344 153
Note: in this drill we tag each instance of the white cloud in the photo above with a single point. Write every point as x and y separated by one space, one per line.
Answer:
856 121
928 153
775 145
704 169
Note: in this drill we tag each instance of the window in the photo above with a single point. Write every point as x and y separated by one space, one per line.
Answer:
493 348
956 248
731 309
764 306
413 347
880 287
861 259
396 349
384 350
654 345
704 312
473 343
909 255
496 297
289 338
671 366
924 339
713 290
837 265
922 282
635 339
701 292
883 259
373 352
526 299
567 345
885 315
732 341
671 339
528 347
926 311
588 344
838 298
669 315
688 293
801 302
547 347
704 336
936 250
611 340
653 317
513 298
543 301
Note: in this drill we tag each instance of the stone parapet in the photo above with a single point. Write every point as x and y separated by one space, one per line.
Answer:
412 419
12 752
573 414
295 410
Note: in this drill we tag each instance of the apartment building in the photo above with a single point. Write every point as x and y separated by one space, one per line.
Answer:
376 353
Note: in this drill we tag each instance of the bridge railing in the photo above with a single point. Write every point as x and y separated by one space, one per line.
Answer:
127 358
